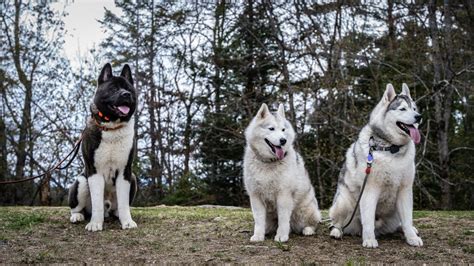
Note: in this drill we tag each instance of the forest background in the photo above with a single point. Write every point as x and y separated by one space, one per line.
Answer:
203 69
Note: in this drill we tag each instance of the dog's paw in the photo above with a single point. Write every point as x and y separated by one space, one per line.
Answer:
76 217
94 226
129 224
370 243
257 238
308 231
281 238
416 230
336 233
415 241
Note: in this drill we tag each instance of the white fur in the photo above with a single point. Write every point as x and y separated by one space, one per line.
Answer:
280 192
111 155
388 193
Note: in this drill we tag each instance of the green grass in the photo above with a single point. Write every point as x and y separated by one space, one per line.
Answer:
356 261
190 213
444 214
468 249
283 246
11 220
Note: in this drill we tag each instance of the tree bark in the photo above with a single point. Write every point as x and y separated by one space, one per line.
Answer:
27 84
443 95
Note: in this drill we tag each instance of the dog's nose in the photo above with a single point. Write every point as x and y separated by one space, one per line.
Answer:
125 94
282 141
418 118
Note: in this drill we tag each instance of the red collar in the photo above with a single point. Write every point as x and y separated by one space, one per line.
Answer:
107 119
105 128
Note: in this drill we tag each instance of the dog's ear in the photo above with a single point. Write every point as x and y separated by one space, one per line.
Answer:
389 94
105 74
127 73
263 111
406 90
281 110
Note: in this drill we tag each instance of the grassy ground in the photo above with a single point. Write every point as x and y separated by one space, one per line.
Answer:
199 235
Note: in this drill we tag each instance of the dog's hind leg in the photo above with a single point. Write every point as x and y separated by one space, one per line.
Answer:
133 188
79 199
387 225
271 222
307 216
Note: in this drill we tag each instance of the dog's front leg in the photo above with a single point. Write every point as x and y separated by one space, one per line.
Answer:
259 216
123 203
368 205
285 207
405 212
96 188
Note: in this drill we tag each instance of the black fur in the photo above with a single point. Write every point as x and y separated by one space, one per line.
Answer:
355 155
113 92
133 188
115 176
73 191
90 143
127 174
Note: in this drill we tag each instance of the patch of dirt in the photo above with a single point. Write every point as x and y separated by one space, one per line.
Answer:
216 235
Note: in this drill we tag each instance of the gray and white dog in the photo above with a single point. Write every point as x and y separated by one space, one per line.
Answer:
276 180
386 204
107 185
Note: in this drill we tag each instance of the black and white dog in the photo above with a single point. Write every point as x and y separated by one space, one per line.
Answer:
107 185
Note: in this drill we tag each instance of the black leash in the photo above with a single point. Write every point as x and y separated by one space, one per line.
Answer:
58 166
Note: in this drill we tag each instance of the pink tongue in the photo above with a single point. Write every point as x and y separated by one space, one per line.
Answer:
124 109
279 153
414 134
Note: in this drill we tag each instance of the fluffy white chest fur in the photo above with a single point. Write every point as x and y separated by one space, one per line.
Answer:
113 151
268 180
389 171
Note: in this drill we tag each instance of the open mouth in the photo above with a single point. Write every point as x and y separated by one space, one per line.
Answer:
410 130
277 150
121 110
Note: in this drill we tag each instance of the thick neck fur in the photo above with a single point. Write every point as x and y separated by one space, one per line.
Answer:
381 141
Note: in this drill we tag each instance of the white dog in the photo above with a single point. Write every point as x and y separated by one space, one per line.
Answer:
276 180
386 204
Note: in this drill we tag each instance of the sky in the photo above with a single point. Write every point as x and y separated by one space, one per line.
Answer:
83 29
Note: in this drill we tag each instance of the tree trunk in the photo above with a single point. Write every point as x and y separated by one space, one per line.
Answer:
45 191
26 113
443 95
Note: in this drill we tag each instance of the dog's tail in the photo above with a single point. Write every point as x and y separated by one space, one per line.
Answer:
107 208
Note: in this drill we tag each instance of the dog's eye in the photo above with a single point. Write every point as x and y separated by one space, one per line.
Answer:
403 109
272 128
283 129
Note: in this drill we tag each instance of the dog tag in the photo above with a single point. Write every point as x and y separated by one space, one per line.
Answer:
370 158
